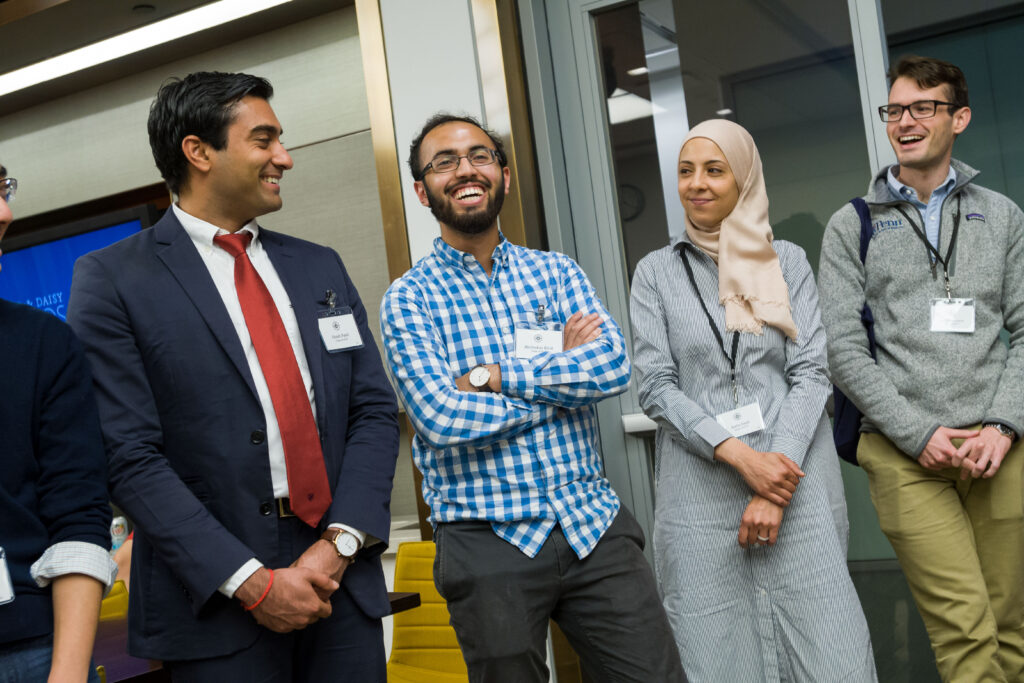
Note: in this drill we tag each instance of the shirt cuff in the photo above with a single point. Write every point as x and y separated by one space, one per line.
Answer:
74 557
229 587
361 535
517 378
712 433
794 449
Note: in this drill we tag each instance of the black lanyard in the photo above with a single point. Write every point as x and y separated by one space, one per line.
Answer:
714 328
931 248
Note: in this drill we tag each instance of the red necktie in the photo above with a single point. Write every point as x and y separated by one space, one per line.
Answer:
307 476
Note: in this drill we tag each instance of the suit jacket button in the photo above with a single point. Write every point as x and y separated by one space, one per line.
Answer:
266 508
257 437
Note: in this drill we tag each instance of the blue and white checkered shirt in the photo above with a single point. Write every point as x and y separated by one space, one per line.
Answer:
524 459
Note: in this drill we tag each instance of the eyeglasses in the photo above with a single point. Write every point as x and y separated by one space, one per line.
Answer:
446 163
922 109
8 188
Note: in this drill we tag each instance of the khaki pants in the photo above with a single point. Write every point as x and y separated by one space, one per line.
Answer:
961 547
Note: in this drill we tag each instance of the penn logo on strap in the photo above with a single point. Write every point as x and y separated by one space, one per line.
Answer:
976 217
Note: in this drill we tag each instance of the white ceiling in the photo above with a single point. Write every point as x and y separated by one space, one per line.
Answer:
34 30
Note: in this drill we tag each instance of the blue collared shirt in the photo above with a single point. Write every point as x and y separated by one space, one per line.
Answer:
931 213
524 459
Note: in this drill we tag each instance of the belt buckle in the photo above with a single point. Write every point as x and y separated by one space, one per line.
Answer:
284 508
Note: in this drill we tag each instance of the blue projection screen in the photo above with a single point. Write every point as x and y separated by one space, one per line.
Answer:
40 276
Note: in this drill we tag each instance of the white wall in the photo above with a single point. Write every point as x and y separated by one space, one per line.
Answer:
432 67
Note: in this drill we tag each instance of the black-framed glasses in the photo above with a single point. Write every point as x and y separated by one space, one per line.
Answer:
446 163
8 188
922 109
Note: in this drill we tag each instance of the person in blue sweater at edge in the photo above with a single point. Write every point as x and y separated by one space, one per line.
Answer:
251 430
500 354
54 511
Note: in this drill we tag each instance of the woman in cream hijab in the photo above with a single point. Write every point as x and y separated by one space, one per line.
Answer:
751 530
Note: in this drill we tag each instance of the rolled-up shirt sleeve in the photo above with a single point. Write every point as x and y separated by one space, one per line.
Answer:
74 557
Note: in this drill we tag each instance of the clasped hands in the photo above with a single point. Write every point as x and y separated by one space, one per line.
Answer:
773 477
579 329
980 454
300 594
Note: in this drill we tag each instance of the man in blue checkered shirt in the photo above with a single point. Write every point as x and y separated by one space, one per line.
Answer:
500 353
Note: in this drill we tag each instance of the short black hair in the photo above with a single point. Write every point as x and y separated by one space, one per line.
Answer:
929 72
201 104
3 171
440 119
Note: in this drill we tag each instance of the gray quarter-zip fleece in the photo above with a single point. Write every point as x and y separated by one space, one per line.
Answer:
926 379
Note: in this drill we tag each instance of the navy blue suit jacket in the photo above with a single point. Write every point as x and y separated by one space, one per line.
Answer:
184 431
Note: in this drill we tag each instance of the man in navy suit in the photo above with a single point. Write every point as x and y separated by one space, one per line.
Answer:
250 429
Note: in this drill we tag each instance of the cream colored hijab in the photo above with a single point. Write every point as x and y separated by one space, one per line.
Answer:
750 283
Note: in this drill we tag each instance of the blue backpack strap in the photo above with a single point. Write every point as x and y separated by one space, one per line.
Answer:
847 418
861 207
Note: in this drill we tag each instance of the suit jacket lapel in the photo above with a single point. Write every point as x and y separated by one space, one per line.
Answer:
304 298
176 250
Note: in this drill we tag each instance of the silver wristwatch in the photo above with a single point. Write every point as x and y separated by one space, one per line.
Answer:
1002 429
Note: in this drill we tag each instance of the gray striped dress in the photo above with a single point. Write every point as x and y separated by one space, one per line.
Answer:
782 613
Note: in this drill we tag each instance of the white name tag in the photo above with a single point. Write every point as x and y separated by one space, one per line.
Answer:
339 331
742 421
531 342
6 589
953 315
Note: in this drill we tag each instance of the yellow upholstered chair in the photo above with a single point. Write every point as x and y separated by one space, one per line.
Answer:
423 644
115 605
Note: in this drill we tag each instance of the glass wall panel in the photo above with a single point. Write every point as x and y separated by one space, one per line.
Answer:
783 69
984 39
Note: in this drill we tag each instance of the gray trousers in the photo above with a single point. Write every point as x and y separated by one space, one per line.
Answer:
607 605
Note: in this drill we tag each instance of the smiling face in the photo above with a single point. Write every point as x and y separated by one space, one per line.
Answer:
924 145
469 198
707 187
242 180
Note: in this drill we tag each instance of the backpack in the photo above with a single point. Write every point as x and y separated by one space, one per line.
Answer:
846 416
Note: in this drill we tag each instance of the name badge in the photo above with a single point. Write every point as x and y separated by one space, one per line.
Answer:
742 421
534 341
953 315
339 331
6 588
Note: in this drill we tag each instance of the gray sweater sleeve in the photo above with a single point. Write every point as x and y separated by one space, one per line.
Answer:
1008 403
841 278
660 396
806 362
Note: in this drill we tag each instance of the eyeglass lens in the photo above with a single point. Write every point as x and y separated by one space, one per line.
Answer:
8 188
446 163
923 109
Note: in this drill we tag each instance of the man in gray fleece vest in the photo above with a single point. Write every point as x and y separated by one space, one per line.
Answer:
944 404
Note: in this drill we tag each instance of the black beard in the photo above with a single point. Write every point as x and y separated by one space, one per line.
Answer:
466 223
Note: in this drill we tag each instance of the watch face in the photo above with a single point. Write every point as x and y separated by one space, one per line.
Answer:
347 544
479 377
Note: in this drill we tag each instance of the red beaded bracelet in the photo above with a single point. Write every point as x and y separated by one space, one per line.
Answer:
249 608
